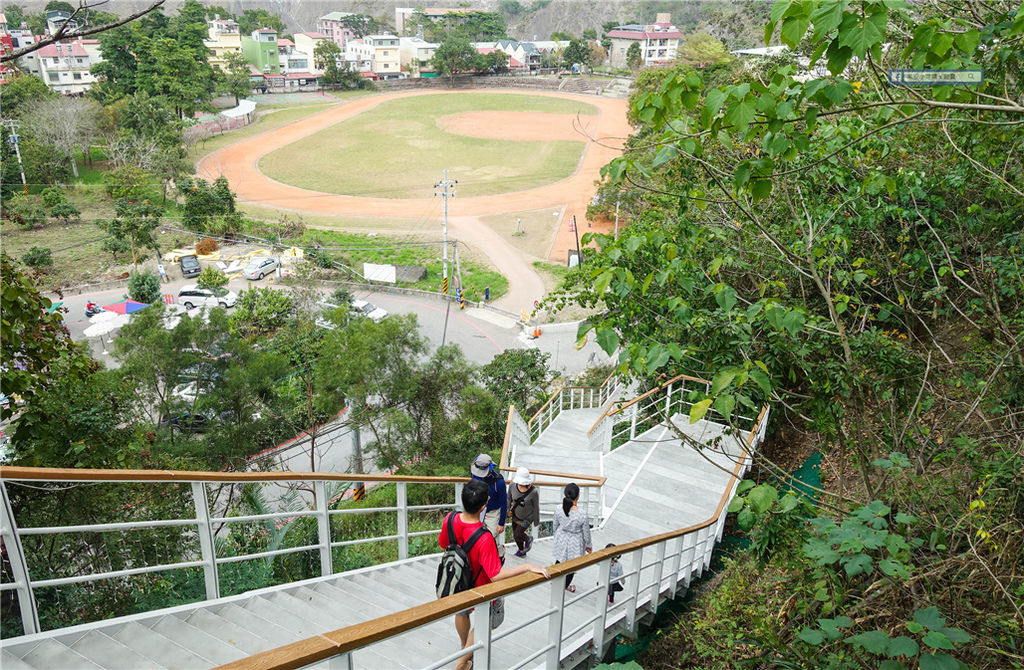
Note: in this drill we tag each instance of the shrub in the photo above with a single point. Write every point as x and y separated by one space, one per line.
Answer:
24 210
144 286
52 196
260 311
320 258
65 211
211 278
37 257
115 246
205 246
126 182
341 296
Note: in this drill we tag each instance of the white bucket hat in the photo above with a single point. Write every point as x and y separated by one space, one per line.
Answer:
523 477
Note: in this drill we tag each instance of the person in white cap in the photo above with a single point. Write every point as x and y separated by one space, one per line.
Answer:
523 509
486 470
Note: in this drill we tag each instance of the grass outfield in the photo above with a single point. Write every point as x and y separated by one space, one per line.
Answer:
398 151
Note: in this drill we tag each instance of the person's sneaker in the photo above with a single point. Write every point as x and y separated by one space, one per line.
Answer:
520 554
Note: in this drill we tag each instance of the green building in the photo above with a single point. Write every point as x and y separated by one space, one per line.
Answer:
260 49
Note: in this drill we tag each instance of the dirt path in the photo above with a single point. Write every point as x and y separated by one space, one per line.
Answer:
604 134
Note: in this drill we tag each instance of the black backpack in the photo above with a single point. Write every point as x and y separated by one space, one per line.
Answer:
454 573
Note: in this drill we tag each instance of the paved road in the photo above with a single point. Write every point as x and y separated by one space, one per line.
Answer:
480 333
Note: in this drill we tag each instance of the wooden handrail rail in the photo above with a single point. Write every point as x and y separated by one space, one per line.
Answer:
503 459
350 638
88 475
597 480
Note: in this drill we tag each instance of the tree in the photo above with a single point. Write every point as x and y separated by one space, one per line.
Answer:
133 222
589 34
453 56
634 59
795 244
31 339
22 93
213 279
144 286
208 207
254 19
59 5
560 36
66 123
576 53
361 24
701 50
235 77
260 311
518 377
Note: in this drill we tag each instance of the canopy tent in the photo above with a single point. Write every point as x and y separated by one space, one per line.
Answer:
126 307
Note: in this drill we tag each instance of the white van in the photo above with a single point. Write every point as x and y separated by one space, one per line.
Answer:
191 296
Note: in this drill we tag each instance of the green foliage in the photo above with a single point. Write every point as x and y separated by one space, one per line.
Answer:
254 19
576 53
30 336
65 211
37 257
453 56
518 377
21 92
212 278
470 25
634 59
235 77
260 311
701 50
134 223
320 258
208 207
24 210
144 286
52 195
127 182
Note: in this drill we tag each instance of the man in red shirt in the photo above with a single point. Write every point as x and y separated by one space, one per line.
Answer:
483 556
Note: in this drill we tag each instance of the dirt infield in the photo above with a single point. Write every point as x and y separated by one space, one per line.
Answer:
604 135
524 126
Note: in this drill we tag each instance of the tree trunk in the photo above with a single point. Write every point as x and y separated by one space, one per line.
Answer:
74 165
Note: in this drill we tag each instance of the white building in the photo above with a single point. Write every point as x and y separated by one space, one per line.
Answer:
376 54
415 55
306 43
659 42
64 67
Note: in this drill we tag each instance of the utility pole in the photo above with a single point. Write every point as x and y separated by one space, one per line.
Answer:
12 127
447 191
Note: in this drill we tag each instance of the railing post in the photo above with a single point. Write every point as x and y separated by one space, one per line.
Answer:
19 568
689 552
555 622
482 635
458 496
668 403
603 579
659 551
206 545
632 422
673 566
323 528
403 522
634 591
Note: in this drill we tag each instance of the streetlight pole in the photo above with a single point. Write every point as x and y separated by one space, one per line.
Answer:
447 191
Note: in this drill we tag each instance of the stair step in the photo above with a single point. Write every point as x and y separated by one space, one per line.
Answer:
247 642
107 652
245 619
52 655
9 661
199 640
290 612
154 645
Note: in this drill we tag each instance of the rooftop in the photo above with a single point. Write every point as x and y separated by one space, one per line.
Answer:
335 16
314 35
627 33
65 49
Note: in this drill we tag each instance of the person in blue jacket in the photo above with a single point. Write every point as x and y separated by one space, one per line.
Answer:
486 470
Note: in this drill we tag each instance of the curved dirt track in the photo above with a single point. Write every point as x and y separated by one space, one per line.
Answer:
239 163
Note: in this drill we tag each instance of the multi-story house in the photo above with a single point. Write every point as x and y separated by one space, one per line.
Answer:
658 42
379 55
415 55
332 27
224 38
306 43
64 66
260 50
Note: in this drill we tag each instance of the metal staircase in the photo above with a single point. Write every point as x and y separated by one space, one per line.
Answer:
387 616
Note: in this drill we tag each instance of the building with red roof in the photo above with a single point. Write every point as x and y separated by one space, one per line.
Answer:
64 66
659 42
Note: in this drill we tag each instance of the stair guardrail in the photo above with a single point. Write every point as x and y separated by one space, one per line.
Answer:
658 567
571 397
623 422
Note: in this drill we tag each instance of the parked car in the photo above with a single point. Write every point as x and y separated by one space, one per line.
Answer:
363 308
189 266
260 266
191 296
187 422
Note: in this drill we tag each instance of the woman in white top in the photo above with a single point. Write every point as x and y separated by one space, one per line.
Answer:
572 531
